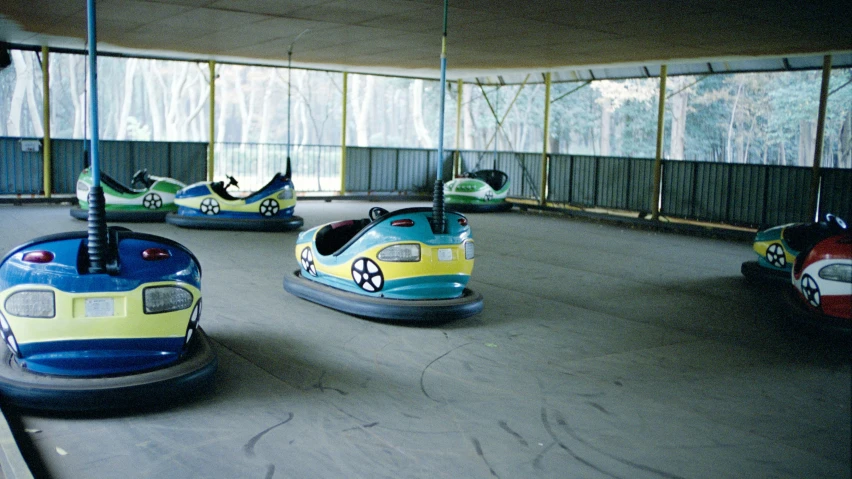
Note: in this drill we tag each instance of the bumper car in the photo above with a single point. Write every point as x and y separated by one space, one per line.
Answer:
408 265
150 202
389 266
77 340
778 247
208 205
822 283
478 192
104 318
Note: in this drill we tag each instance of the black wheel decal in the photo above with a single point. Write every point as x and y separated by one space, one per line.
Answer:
152 201
810 289
269 207
307 260
367 274
775 255
209 206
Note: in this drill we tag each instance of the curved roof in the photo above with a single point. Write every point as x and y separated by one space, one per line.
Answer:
577 39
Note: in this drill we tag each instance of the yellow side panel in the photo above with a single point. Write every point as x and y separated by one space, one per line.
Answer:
127 319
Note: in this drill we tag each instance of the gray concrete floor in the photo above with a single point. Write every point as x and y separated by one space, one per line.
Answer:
601 352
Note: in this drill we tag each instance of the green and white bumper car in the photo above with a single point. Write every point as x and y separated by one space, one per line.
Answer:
150 203
478 192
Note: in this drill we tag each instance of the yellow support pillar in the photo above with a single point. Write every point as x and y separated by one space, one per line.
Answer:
457 156
343 135
823 101
544 155
212 126
658 159
45 106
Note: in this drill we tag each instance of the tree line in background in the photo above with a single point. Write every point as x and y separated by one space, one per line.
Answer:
766 118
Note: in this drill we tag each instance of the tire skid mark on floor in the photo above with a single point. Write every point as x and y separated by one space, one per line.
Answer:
423 373
248 448
479 453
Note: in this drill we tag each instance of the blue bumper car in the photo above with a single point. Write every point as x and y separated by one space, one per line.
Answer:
78 340
208 205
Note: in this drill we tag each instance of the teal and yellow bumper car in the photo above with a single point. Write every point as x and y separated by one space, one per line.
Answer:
389 266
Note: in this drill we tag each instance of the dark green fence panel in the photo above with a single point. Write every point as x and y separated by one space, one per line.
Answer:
711 191
584 171
389 169
188 162
746 195
559 182
747 200
21 172
68 161
836 193
678 188
641 181
611 183
357 169
384 164
787 195
416 170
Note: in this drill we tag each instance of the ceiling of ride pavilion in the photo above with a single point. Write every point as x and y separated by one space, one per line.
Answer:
493 40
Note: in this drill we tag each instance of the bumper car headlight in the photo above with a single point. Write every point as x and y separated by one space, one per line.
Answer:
468 250
286 194
400 253
837 272
31 304
162 299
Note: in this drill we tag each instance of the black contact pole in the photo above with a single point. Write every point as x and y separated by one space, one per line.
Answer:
438 215
97 227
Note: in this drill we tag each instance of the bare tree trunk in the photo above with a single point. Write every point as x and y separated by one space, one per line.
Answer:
224 108
606 125
362 99
154 95
679 103
618 136
728 148
807 134
749 136
76 98
127 98
23 91
844 157
468 122
424 139
203 92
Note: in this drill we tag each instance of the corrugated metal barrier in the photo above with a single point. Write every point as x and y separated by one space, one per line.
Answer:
22 172
390 170
737 194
